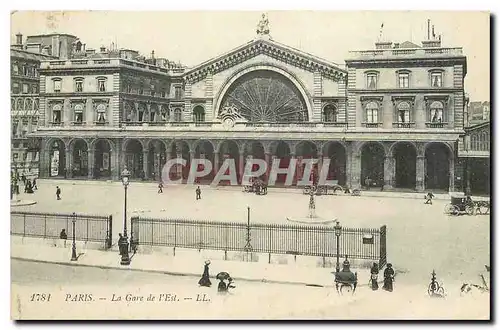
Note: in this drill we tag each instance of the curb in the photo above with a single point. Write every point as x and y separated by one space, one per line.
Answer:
65 263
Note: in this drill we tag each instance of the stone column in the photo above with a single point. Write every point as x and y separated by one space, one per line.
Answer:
216 163
295 173
467 177
452 174
319 165
115 164
91 164
268 160
192 155
420 173
356 171
145 163
69 163
241 166
389 166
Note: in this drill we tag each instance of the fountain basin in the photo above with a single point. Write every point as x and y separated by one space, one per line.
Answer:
312 221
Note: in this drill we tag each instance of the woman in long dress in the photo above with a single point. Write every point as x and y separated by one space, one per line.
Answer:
205 278
388 278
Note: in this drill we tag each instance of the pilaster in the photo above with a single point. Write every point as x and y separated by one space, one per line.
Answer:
420 173
209 94
317 92
91 165
389 168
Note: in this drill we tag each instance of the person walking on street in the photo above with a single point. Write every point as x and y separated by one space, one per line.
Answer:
34 184
63 234
205 278
388 278
198 193
160 187
428 198
374 276
58 193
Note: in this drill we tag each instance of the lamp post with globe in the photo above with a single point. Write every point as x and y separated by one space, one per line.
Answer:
123 244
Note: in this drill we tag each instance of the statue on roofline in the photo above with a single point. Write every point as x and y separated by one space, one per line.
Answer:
263 26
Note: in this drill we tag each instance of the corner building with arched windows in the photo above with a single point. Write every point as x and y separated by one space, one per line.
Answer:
390 120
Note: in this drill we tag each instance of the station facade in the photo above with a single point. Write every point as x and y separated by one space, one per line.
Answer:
390 118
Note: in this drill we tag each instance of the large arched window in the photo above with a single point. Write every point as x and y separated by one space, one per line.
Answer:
265 96
330 113
436 112
371 109
404 112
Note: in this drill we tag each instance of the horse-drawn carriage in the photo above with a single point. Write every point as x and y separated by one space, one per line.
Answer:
465 205
256 186
323 189
329 190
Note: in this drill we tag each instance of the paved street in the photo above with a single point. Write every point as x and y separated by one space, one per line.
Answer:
257 300
420 237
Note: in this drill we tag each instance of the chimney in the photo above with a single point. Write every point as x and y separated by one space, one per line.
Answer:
153 54
19 39
428 29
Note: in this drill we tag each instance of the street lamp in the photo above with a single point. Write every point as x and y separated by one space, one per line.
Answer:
73 248
123 245
338 231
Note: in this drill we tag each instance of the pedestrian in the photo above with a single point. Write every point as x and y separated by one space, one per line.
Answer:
374 276
34 184
205 278
23 177
121 241
222 287
63 234
58 193
428 198
160 187
198 193
388 278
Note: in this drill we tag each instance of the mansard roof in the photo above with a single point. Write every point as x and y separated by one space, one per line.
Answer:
271 48
27 55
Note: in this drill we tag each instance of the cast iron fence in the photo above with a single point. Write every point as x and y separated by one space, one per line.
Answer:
356 243
88 228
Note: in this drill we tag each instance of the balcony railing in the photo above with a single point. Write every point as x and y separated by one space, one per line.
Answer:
436 125
407 52
403 125
372 125
334 124
56 123
78 123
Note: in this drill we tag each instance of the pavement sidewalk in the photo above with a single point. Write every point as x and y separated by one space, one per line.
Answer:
293 190
182 265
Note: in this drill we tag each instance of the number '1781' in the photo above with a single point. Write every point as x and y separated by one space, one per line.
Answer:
40 297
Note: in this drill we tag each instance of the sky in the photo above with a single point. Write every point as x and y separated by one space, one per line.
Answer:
193 37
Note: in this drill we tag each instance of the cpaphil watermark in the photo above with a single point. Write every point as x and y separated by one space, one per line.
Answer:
311 172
